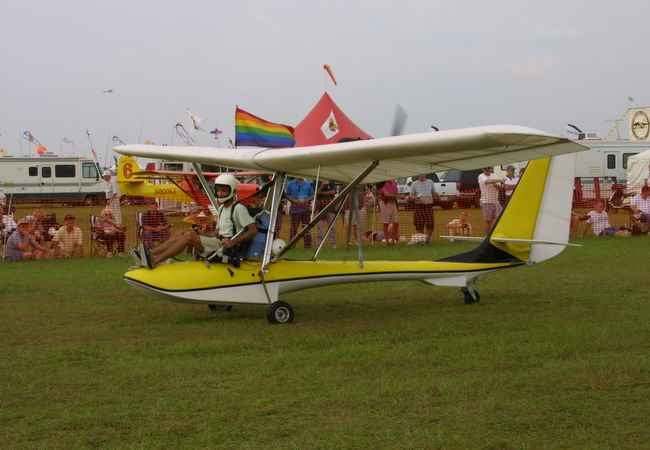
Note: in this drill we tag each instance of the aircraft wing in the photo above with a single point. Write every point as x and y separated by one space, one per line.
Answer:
164 174
398 156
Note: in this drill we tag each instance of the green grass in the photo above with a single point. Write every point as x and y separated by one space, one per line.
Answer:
555 356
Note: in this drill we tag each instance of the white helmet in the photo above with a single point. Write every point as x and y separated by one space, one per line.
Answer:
226 180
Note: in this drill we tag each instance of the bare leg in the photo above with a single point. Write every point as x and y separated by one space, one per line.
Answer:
175 247
396 232
429 232
164 246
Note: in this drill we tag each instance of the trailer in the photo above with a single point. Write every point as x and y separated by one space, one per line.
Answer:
52 179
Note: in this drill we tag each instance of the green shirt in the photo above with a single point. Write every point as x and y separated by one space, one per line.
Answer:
232 222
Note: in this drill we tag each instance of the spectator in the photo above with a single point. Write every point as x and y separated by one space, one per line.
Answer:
8 224
459 226
647 180
489 184
363 214
3 199
388 195
68 240
326 194
640 205
111 232
509 183
599 220
155 228
22 246
39 230
422 193
112 195
300 193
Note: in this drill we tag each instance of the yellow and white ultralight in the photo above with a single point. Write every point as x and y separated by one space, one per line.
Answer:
533 227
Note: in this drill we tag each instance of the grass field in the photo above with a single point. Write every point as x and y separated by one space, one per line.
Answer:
555 356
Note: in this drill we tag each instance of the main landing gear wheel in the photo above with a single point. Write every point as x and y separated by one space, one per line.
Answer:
279 312
214 308
471 295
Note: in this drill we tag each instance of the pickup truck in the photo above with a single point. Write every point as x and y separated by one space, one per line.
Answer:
447 192
467 191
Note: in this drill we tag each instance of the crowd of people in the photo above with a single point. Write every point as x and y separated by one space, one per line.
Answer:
39 236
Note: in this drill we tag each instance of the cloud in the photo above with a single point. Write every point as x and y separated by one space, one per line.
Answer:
534 67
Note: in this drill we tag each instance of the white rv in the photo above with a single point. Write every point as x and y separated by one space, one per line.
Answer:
607 158
63 179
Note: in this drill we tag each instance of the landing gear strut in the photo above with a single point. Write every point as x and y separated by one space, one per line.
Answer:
471 295
279 312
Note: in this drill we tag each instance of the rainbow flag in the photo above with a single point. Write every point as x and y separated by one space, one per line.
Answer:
253 131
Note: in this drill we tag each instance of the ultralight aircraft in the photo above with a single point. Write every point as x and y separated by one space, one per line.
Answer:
179 186
532 228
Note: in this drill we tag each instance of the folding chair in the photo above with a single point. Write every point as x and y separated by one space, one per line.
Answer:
97 241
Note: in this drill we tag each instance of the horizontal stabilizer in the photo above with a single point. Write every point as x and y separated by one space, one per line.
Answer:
515 241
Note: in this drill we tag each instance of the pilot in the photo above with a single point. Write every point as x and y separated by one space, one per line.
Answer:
235 227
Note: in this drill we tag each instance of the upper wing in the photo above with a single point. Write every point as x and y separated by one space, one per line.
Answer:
398 156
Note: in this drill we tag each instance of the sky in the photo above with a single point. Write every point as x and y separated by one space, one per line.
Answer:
447 63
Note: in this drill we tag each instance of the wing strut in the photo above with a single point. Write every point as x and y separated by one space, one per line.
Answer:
358 179
276 196
330 226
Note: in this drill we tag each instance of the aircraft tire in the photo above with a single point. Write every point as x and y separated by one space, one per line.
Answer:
469 298
279 313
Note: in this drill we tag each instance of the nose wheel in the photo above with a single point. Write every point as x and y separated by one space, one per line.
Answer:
471 295
280 313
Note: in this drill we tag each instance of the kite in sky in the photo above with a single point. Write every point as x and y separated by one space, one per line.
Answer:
196 121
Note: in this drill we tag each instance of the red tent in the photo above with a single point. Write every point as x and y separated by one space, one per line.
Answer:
326 124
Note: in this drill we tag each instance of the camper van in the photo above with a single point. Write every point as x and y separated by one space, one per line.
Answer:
72 179
607 158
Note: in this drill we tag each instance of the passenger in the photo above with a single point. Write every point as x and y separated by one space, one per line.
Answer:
257 243
67 240
233 218
22 246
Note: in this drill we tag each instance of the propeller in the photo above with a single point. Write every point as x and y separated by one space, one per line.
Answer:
399 121
575 127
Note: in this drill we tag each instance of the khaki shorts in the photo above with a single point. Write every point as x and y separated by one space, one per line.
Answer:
388 212
490 211
210 244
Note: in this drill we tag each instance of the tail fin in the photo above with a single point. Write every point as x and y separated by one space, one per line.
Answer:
539 210
126 166
535 224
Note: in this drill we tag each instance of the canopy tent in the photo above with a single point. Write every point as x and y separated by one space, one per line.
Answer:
326 123
637 171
